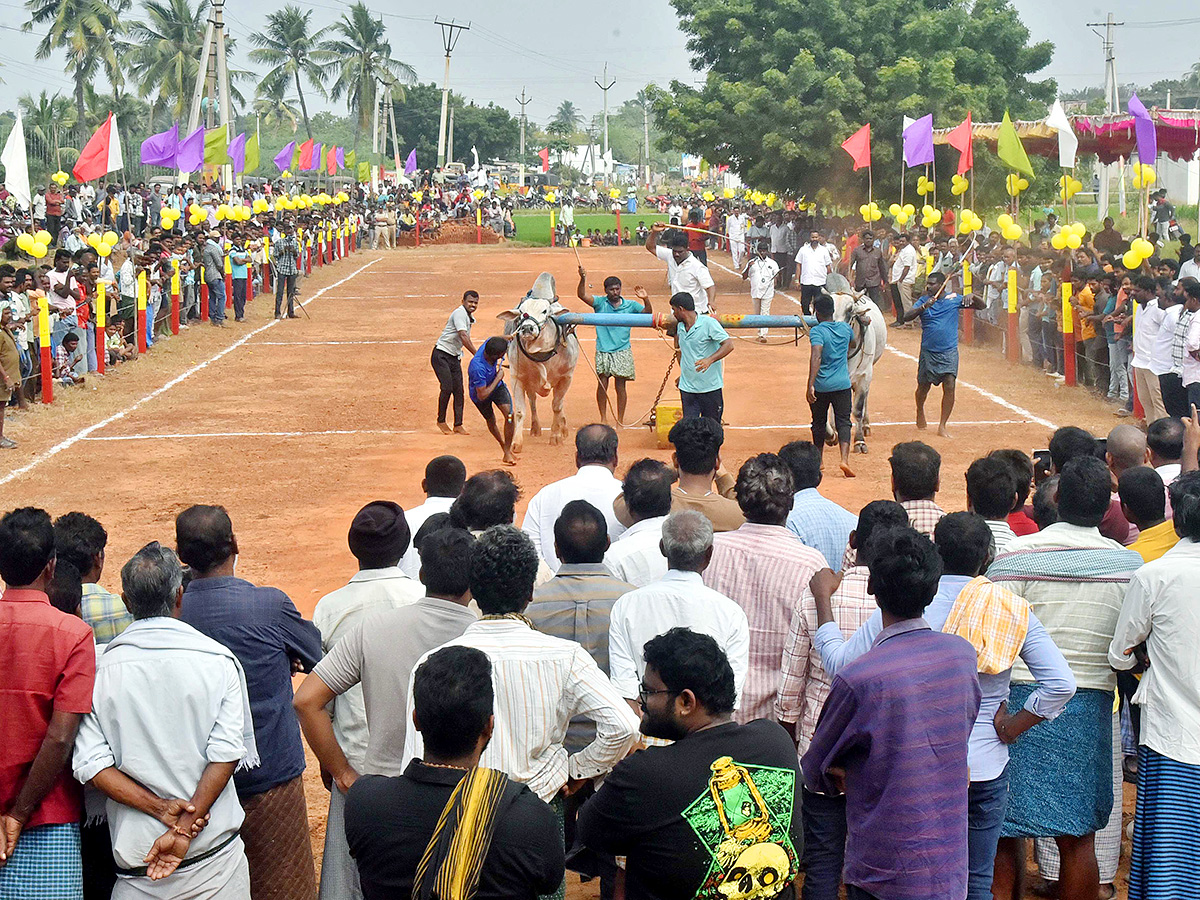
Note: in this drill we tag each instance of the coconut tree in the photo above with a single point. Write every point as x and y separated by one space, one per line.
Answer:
277 110
89 33
567 116
48 117
166 50
362 56
291 49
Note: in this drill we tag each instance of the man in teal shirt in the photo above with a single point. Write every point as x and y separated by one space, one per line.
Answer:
614 353
703 343
829 376
239 263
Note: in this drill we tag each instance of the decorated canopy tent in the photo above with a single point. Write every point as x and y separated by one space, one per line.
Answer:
1110 137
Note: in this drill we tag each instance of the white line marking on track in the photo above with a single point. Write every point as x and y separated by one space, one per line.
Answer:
117 416
240 434
328 343
807 425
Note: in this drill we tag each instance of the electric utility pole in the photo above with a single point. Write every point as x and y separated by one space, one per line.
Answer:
646 132
450 35
1112 102
524 102
212 76
604 87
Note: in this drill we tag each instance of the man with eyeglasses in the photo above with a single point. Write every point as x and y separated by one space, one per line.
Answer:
718 809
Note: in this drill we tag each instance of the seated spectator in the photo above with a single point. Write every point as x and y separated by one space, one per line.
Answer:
818 522
446 819
67 357
636 556
1144 504
916 478
680 838
992 494
1020 467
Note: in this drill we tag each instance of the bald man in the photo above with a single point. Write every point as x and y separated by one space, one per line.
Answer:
1126 449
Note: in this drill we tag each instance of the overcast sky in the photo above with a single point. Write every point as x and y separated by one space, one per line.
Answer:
556 50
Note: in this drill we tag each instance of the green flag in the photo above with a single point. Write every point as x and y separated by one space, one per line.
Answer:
1009 149
252 155
364 171
351 159
216 147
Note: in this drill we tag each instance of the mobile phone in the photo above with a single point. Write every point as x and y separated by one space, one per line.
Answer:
1041 460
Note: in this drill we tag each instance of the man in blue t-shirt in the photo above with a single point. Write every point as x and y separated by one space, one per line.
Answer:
829 376
703 343
938 363
485 381
614 353
239 266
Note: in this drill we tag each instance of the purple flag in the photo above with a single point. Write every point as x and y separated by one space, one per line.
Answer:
190 156
410 164
317 159
237 153
1147 141
283 158
918 141
341 157
160 149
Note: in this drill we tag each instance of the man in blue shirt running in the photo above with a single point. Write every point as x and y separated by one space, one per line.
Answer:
938 363
485 382
614 352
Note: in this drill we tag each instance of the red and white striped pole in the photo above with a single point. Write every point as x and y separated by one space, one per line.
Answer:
47 357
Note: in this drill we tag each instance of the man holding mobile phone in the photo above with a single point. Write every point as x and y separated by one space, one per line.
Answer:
485 378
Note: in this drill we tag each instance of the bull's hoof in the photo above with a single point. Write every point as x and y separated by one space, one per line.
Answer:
535 430
860 446
555 439
831 440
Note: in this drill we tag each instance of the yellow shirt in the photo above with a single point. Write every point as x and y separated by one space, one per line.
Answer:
1087 301
1154 542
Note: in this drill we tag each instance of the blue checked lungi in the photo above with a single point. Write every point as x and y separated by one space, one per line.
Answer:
46 865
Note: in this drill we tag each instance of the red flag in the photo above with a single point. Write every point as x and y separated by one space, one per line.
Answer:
544 153
306 150
102 154
331 161
858 145
960 140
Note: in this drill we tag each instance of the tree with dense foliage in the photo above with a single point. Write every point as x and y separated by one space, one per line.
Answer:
567 117
363 57
48 119
89 33
166 51
788 82
292 50
491 129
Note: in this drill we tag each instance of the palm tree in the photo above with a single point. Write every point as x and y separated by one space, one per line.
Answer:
277 110
291 50
567 116
89 32
166 51
363 57
47 117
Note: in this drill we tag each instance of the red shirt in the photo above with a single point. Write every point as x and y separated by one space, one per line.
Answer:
1021 523
47 663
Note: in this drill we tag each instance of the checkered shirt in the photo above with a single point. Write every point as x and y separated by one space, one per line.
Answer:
104 612
923 515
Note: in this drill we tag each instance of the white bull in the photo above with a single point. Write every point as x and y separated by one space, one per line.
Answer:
542 358
847 306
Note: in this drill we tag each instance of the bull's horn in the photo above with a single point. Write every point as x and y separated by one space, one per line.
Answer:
543 288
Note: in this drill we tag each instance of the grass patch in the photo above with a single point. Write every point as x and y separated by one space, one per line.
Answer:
533 227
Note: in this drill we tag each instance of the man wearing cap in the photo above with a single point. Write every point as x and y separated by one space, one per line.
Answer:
379 537
703 343
213 258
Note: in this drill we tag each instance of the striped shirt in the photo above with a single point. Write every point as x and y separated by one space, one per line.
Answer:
898 720
105 612
541 682
805 683
923 515
764 569
574 605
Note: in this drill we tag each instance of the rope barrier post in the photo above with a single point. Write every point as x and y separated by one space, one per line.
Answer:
175 299
552 227
203 294
266 266
47 358
968 325
418 242
142 325
101 324
1014 342
618 226
329 245
228 282
308 255
353 236
478 225
1068 323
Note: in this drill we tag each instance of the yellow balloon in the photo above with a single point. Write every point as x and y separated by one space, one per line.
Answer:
1143 248
43 235
110 237
1059 241
1012 232
104 250
92 239
729 192
909 210
902 218
1004 221
876 215
1131 259
38 250
894 209
25 241
1074 241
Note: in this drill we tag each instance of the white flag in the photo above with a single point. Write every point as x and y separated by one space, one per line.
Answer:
115 160
16 164
1068 143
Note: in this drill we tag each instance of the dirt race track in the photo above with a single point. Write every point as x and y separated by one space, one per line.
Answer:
294 425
